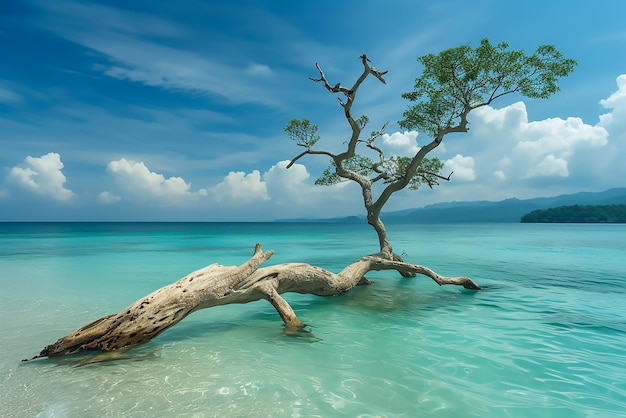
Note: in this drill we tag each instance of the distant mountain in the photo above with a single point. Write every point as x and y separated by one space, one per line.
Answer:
509 210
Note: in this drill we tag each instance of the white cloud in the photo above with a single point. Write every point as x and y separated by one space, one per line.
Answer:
293 191
286 178
43 176
138 180
463 167
108 197
173 69
559 136
511 116
278 184
401 143
288 186
550 166
133 48
239 186
525 149
618 98
615 121
259 70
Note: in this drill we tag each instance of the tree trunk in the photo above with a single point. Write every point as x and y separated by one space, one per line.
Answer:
217 285
386 250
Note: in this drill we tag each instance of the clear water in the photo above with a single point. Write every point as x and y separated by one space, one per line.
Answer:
546 338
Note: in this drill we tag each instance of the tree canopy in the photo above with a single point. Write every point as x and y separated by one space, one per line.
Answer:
459 80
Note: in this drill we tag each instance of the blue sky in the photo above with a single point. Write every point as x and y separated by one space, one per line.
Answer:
174 111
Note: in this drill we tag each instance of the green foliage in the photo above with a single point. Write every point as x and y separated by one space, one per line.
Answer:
427 173
579 214
397 167
460 79
392 169
363 166
362 121
303 132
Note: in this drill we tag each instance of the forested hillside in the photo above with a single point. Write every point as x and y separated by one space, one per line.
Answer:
579 214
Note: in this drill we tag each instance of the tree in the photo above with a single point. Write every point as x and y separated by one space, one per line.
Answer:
454 83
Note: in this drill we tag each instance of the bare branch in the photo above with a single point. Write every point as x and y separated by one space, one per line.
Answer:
309 151
337 88
410 270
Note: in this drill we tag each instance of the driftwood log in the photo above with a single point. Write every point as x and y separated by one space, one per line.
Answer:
217 285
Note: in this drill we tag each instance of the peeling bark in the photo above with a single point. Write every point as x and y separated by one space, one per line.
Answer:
217 285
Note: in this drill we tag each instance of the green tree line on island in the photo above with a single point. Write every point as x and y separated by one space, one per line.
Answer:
579 214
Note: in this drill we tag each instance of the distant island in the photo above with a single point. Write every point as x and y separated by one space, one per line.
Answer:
578 214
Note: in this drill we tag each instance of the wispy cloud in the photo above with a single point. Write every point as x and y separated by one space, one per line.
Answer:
140 48
9 97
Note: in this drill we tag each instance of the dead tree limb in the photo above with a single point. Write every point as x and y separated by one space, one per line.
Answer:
217 285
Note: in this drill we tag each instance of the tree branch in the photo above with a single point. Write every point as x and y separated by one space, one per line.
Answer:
309 151
410 270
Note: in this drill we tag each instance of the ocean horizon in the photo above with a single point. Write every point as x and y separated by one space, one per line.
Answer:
545 338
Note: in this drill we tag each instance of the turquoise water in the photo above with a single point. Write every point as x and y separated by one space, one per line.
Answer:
546 338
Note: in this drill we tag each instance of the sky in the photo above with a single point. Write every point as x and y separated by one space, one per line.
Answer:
157 110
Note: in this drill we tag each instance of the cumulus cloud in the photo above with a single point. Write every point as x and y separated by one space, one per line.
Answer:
463 167
526 149
289 185
550 166
401 143
108 197
239 186
615 121
278 184
136 178
285 178
619 97
281 192
42 176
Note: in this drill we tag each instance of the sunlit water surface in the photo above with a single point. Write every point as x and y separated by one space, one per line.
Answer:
546 338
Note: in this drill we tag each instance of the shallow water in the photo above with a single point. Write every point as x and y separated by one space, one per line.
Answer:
546 338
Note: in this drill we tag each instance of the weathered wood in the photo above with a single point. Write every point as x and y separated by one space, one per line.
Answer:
217 285
158 311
